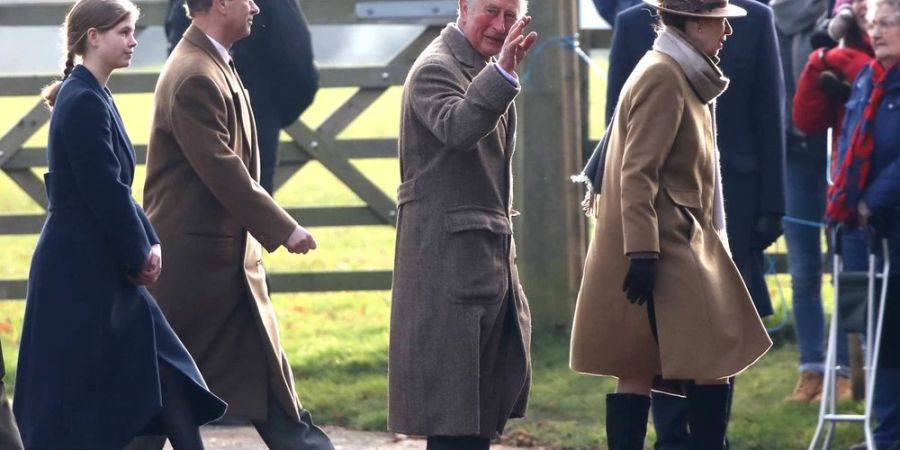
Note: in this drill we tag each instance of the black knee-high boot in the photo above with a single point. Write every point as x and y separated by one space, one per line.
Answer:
178 416
626 421
457 443
708 415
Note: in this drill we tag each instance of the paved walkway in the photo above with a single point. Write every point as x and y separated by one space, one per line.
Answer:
245 438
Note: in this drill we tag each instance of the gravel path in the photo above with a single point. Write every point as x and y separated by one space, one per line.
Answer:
245 438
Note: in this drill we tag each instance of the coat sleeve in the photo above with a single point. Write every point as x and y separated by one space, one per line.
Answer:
457 116
884 191
654 116
88 133
768 110
145 221
814 111
200 127
606 9
288 46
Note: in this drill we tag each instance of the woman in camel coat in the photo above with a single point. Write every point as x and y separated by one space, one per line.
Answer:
661 228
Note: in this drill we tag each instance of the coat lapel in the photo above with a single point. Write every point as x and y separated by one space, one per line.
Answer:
118 127
462 50
238 93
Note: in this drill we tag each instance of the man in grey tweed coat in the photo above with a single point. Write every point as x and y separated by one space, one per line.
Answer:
460 326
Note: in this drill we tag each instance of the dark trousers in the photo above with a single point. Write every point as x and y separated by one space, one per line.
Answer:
457 443
279 432
9 434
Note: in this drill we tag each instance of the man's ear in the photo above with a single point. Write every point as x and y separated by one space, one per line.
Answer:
463 9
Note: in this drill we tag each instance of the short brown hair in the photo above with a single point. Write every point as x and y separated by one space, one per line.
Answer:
195 6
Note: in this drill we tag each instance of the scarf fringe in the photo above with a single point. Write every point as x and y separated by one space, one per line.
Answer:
589 202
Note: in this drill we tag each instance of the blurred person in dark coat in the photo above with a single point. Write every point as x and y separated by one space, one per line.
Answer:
609 9
276 65
749 120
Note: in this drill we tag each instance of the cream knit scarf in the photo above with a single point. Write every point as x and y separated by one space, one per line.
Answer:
708 82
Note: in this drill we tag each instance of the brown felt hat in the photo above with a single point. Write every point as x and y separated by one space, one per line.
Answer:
699 8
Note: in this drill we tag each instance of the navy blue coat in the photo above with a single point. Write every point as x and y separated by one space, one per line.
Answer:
749 118
882 193
88 374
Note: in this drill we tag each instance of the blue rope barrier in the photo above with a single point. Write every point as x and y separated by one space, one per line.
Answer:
569 41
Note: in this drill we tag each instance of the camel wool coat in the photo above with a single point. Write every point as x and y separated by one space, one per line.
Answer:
658 196
213 218
460 324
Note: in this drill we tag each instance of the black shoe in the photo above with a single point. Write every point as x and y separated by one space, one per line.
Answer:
626 421
708 415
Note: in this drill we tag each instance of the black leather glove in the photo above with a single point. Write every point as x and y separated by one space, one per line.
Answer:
834 84
640 280
768 229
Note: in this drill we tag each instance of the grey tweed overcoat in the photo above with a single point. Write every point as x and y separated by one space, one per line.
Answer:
460 324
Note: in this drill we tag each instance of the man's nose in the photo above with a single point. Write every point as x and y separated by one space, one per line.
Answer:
254 9
728 29
499 23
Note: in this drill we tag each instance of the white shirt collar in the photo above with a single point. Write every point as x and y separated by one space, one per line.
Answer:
223 52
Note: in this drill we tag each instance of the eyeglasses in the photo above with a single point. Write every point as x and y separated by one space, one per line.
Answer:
882 24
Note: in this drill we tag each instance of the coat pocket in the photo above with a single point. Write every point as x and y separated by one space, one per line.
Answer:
685 201
213 249
476 262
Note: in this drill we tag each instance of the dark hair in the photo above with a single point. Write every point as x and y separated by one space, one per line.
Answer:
667 19
195 6
103 15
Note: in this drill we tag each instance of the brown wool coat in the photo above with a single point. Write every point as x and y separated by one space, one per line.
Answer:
460 324
657 196
202 196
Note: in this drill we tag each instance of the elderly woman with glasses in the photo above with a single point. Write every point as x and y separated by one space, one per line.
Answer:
682 321
866 191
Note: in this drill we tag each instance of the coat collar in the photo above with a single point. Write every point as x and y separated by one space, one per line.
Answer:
82 73
461 48
196 36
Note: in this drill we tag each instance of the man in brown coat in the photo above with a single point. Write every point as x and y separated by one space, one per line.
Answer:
203 197
460 325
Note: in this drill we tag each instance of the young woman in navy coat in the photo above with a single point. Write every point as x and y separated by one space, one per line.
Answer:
98 363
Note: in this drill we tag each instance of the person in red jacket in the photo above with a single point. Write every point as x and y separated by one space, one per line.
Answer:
826 79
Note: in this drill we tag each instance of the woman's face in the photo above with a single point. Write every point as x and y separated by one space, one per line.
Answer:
709 33
114 47
885 32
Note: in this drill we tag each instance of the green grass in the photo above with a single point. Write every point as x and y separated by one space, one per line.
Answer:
337 342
